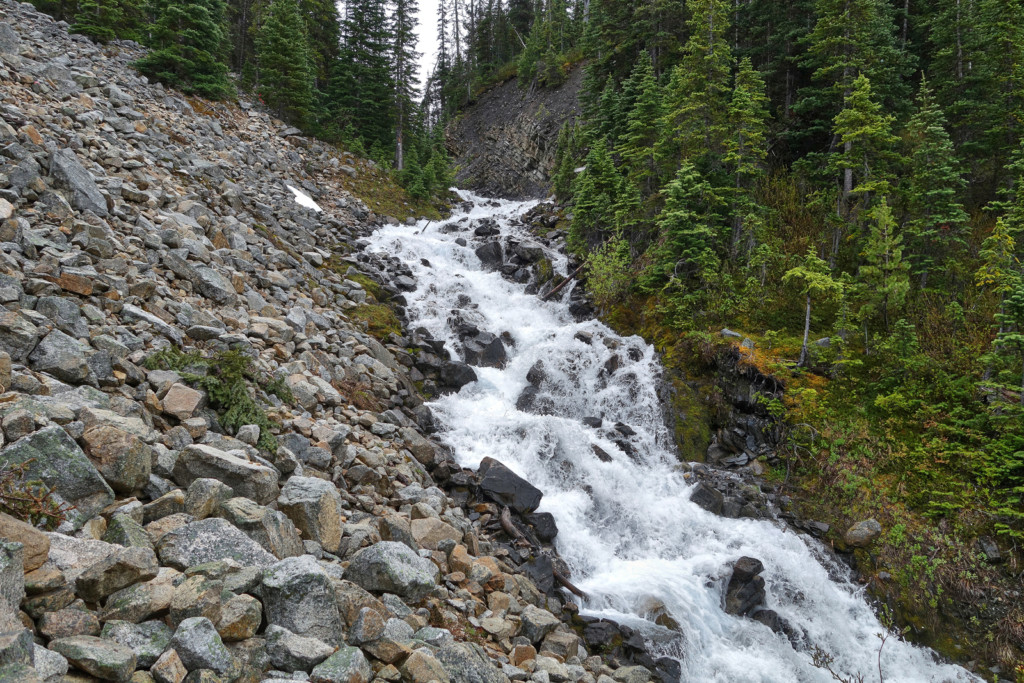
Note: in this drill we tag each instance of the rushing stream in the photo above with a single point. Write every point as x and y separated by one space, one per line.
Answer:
635 543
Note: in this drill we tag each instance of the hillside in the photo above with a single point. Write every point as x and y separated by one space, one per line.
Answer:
215 463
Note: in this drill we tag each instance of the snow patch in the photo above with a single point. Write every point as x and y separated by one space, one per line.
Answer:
304 199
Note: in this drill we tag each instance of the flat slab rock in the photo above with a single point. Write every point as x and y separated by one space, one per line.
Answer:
210 540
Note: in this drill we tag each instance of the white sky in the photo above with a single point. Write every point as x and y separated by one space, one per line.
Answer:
428 43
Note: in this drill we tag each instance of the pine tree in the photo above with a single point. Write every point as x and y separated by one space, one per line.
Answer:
642 97
884 273
687 235
187 41
404 59
697 97
865 165
746 149
282 52
1011 329
999 268
105 20
936 218
594 195
323 37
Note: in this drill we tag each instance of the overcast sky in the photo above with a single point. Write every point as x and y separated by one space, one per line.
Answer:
427 46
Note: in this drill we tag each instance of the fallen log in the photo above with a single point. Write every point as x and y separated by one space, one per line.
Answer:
511 530
570 278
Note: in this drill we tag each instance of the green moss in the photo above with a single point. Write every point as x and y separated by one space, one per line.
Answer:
380 319
372 287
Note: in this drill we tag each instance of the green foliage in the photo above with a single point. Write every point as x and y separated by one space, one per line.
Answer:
187 41
230 380
30 501
105 20
884 272
285 71
608 276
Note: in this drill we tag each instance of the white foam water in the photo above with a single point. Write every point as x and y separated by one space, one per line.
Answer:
636 545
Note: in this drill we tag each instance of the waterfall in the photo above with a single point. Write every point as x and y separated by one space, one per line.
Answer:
634 541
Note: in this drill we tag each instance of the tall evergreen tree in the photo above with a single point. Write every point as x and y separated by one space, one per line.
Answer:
282 52
187 40
642 96
884 273
105 20
404 62
746 149
936 217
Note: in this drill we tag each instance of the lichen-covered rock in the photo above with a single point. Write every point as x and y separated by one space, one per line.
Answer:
863 533
314 505
121 569
35 544
209 540
347 665
62 356
98 657
466 663
148 640
199 646
122 458
291 652
393 568
298 595
69 172
240 618
537 623
270 528
247 479
59 463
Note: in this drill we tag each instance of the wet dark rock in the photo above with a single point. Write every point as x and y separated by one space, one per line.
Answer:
506 487
541 571
490 255
745 591
536 376
543 525
708 498
455 375
594 422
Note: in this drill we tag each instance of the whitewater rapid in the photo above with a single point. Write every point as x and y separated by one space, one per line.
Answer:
635 543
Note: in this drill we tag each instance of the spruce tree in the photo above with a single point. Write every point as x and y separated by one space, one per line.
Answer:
642 97
936 218
187 41
404 60
697 97
746 149
594 195
282 52
884 273
105 20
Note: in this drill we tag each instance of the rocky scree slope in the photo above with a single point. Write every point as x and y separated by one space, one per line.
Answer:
136 225
504 144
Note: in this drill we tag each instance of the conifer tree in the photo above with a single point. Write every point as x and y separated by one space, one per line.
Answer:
594 195
936 218
285 74
999 270
884 272
697 97
105 20
187 40
746 149
1010 338
641 130
404 64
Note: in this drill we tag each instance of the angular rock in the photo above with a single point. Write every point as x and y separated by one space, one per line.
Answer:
298 595
35 544
119 570
291 652
314 505
422 667
204 497
537 623
209 540
270 528
431 531
104 659
347 665
60 464
68 622
468 664
745 591
62 356
122 458
199 646
708 498
245 478
168 668
490 255
141 601
506 487
148 640
125 531
196 596
182 401
240 618
68 171
393 568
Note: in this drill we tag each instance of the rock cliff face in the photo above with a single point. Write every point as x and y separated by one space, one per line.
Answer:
504 145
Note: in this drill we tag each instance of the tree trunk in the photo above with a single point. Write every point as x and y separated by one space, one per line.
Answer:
807 333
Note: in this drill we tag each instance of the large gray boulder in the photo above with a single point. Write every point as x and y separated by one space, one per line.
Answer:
537 623
104 659
199 646
18 335
298 595
270 528
118 570
506 487
210 540
59 463
68 171
392 567
212 284
62 356
314 505
148 640
247 479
